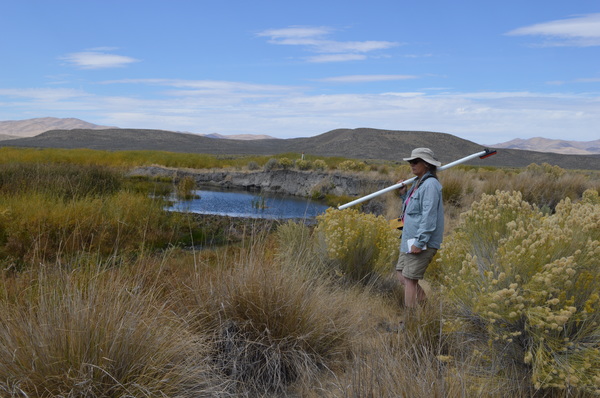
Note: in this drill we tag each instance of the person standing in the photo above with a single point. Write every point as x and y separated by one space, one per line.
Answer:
423 217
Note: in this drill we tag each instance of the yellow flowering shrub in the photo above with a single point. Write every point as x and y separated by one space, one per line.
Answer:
358 245
531 281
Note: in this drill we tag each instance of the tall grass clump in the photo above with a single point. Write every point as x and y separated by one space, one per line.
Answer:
528 282
297 249
37 227
185 188
546 185
52 211
455 185
358 246
66 181
83 334
272 327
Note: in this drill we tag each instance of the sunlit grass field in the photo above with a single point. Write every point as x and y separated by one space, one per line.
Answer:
103 293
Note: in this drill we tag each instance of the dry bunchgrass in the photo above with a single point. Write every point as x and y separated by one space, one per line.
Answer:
93 334
273 327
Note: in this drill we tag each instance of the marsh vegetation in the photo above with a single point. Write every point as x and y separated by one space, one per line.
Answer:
105 294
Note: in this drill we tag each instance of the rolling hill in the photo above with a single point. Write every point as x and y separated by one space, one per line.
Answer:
361 143
540 144
11 129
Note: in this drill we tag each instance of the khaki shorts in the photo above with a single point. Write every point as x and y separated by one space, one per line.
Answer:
413 266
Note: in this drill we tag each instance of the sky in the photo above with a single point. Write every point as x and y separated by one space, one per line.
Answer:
485 71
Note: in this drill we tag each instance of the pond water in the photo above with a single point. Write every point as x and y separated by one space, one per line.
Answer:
250 205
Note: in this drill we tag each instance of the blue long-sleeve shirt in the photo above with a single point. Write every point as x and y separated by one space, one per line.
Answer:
424 215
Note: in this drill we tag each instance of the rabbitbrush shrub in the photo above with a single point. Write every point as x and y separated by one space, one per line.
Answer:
319 164
358 245
529 282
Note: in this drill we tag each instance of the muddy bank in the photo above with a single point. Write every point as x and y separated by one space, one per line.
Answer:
288 182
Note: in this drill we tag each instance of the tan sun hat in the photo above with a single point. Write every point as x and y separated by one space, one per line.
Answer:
424 153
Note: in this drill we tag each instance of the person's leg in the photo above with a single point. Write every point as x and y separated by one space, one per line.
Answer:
400 277
413 293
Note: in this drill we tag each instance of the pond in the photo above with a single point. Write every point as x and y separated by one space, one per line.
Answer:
250 205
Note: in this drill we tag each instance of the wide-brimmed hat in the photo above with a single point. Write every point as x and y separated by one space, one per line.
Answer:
424 153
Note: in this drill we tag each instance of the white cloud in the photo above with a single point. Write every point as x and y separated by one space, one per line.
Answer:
366 78
43 94
329 46
296 32
581 31
313 39
285 112
215 91
95 59
336 58
588 80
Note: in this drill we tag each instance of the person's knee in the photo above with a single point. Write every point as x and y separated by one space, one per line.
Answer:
411 282
400 277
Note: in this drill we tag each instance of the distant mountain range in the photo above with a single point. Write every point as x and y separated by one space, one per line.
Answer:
243 137
362 143
12 129
540 144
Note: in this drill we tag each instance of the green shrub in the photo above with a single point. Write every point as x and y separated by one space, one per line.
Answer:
319 164
302 164
347 165
286 163
272 164
253 166
530 281
359 246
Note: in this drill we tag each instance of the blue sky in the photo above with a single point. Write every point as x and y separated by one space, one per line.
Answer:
485 71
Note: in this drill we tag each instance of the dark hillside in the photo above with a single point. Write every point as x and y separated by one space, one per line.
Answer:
362 143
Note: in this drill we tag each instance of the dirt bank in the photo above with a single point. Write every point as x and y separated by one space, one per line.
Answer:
289 182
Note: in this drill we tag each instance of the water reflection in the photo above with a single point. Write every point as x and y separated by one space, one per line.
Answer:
250 205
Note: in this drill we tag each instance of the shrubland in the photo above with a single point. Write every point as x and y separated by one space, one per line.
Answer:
104 293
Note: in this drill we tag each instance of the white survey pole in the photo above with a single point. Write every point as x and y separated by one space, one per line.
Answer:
482 155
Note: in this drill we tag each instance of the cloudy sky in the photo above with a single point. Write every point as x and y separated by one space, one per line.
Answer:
481 70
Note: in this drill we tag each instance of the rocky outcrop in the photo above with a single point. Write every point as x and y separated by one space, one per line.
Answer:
289 182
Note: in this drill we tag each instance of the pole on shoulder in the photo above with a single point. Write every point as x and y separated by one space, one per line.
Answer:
481 155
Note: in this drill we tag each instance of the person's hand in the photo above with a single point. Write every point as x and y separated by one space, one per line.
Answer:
415 250
402 190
